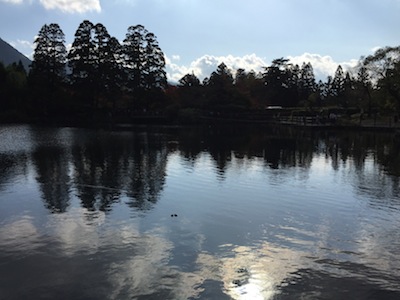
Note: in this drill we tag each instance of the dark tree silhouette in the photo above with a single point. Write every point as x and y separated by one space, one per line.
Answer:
281 83
82 62
384 68
48 70
49 58
13 87
220 92
364 89
108 77
145 66
134 56
251 86
338 83
189 80
154 67
306 84
107 81
95 62
190 92
3 83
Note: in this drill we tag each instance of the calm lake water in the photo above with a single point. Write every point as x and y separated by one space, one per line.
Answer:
261 213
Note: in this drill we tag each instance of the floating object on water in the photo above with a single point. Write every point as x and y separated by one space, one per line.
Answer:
174 215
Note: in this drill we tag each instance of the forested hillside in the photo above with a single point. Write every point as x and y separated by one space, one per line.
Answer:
9 55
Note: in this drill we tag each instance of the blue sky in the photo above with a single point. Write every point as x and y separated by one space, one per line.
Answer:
196 35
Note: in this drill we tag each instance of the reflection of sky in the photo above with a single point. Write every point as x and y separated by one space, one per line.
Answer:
251 272
139 261
318 219
249 232
143 266
15 139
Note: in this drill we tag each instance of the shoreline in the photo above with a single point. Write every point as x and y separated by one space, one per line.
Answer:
128 123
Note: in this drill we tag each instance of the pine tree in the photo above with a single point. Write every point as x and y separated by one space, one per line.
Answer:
189 80
221 93
338 83
307 85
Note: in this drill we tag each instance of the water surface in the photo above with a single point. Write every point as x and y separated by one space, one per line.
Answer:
261 213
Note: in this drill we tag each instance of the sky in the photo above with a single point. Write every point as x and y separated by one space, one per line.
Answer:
197 35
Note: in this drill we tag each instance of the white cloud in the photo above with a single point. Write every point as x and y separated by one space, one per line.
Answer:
26 44
13 1
176 57
205 65
376 48
202 67
323 66
67 6
72 6
25 47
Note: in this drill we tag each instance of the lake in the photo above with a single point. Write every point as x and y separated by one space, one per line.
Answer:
212 212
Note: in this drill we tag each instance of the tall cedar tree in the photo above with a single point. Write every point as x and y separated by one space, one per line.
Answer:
82 62
144 64
107 75
48 69
49 58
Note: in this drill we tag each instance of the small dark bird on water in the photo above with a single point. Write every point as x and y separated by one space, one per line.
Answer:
174 215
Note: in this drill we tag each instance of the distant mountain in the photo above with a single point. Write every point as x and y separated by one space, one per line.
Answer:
9 55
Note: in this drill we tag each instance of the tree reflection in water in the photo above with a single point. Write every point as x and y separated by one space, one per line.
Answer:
88 179
102 167
52 168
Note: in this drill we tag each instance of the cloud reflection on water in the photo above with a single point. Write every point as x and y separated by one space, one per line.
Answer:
138 263
112 238
19 235
252 272
131 262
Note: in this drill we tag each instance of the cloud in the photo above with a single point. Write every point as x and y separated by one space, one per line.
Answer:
25 47
67 6
323 66
72 6
17 2
202 67
376 48
206 64
13 1
176 57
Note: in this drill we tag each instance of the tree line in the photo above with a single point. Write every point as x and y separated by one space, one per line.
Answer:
100 76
